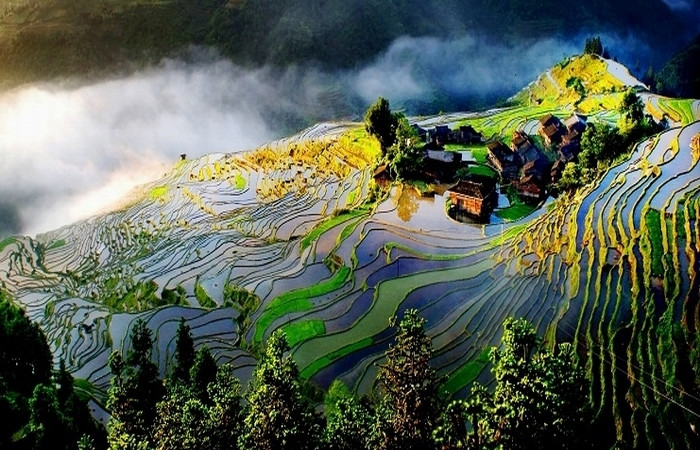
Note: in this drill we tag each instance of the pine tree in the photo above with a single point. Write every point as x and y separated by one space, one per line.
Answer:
226 412
349 424
135 392
184 353
47 423
182 422
278 415
540 398
410 387
202 373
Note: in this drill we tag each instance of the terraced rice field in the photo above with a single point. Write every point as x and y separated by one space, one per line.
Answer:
613 270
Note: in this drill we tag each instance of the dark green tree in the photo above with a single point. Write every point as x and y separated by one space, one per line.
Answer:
202 373
349 421
182 422
632 107
410 387
278 416
47 424
540 399
594 46
226 412
600 143
78 421
184 353
135 392
25 357
381 123
405 155
453 431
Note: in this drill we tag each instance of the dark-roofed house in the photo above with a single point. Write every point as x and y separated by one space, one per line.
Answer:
476 198
556 170
443 156
467 135
576 122
538 168
440 134
529 190
551 129
571 136
520 140
568 153
381 175
505 160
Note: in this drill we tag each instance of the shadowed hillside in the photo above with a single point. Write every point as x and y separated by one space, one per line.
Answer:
45 39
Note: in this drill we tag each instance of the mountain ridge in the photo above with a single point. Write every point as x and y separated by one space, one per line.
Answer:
61 38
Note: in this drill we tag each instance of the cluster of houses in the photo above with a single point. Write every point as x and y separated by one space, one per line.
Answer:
566 136
524 166
438 164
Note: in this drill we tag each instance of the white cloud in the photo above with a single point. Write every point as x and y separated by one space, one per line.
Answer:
63 147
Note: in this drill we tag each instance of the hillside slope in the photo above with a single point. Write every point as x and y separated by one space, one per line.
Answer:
681 75
612 269
44 39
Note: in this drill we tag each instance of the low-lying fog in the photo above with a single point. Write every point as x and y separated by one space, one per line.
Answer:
68 152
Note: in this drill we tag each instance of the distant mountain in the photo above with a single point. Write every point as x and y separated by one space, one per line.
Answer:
680 77
44 39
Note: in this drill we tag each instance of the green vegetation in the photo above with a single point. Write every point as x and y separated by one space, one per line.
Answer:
515 211
594 46
652 219
328 224
539 399
680 77
239 181
466 374
56 244
602 144
324 361
301 331
176 296
398 140
5 242
298 300
244 301
39 406
205 301
478 170
679 110
136 296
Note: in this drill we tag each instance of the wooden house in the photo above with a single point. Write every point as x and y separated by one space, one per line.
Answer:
443 156
538 168
475 198
382 176
440 134
551 129
505 160
576 122
556 170
520 141
530 190
525 148
466 134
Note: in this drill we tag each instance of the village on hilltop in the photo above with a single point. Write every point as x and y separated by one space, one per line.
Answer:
522 166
